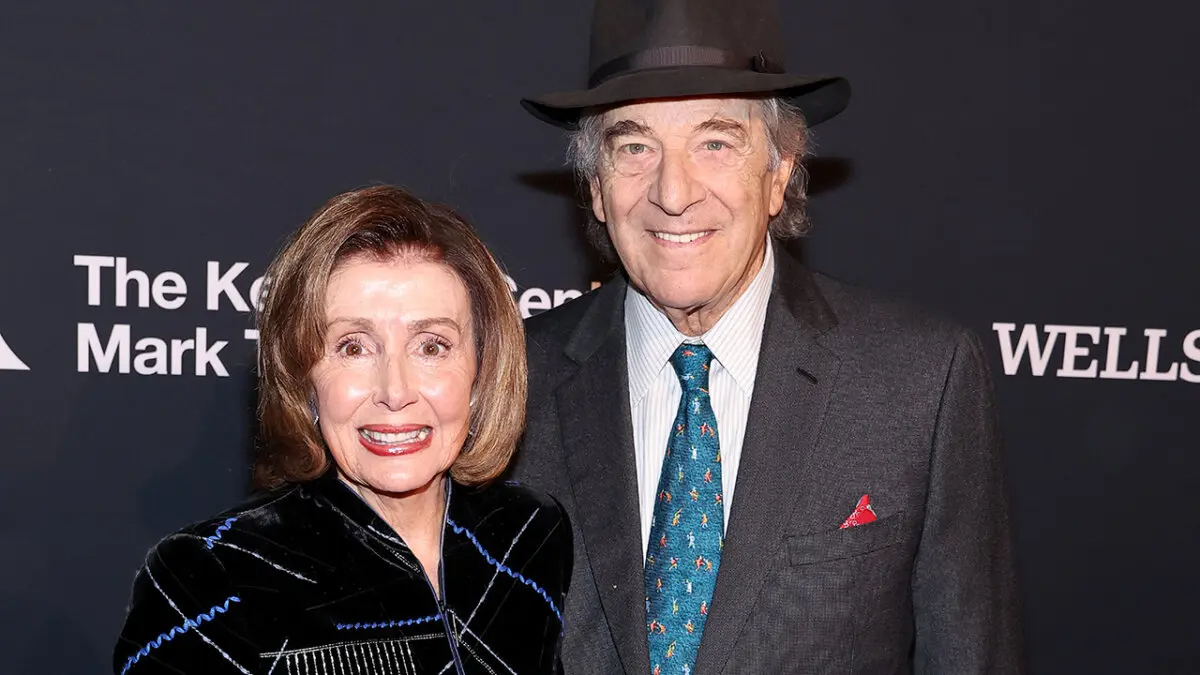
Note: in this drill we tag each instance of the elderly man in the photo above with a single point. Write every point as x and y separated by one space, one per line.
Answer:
768 471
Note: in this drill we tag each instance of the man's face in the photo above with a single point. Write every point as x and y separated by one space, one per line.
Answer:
685 190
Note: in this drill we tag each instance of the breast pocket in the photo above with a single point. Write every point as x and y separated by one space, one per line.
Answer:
808 549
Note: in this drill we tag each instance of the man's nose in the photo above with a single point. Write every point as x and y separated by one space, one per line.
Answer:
675 189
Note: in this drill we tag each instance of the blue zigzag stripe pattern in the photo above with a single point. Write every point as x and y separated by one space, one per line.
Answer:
504 568
222 528
389 624
188 624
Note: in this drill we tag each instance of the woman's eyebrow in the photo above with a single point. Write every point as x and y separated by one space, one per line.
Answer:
425 324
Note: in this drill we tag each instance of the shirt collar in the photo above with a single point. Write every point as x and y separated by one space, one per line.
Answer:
735 339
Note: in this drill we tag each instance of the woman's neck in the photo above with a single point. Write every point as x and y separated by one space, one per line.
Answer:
417 517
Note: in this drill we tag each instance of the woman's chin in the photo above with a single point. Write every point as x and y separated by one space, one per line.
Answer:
400 485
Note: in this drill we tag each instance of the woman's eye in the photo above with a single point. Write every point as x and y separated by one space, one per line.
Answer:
351 349
432 349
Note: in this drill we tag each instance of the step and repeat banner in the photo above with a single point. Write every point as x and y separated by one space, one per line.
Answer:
1028 168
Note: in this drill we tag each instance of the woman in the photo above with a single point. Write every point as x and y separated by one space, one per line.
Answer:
392 393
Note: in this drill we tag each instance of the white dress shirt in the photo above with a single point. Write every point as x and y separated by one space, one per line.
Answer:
654 389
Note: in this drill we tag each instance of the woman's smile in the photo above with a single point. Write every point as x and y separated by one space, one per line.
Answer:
390 441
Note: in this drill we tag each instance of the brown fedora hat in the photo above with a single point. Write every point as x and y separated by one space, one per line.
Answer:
648 49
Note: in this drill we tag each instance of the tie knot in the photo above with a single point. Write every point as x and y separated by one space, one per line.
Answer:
691 364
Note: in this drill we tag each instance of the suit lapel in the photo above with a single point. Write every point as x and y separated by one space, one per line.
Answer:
594 417
792 388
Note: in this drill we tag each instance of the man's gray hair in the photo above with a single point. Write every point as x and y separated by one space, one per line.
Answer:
787 136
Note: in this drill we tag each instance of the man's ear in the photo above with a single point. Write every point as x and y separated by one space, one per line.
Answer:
597 199
779 182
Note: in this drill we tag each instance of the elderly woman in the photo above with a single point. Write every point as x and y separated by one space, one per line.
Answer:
392 393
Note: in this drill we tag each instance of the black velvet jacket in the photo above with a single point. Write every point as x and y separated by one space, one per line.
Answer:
309 579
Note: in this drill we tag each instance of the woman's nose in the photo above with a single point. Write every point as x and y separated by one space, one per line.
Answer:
395 389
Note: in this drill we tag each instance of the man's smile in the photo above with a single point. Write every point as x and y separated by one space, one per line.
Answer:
683 239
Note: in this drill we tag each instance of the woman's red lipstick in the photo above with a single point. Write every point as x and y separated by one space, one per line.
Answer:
392 441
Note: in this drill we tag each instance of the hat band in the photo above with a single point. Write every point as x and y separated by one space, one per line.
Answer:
682 55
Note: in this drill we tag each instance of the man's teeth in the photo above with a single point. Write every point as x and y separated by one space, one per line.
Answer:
389 439
679 238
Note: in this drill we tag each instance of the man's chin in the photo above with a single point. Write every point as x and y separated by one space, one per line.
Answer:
676 301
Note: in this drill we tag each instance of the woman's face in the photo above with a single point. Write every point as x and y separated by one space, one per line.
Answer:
393 385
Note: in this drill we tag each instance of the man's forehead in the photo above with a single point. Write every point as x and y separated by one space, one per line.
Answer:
690 112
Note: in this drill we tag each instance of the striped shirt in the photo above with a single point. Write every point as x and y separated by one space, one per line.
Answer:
654 389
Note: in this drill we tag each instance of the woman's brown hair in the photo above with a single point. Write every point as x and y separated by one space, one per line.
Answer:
381 223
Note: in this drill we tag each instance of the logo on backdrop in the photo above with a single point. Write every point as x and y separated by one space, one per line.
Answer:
1099 352
119 348
9 360
537 300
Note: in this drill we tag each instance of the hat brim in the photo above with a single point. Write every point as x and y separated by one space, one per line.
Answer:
819 98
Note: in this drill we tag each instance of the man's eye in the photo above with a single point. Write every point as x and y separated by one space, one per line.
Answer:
635 148
716 146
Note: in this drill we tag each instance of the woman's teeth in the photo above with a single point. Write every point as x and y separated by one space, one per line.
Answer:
391 439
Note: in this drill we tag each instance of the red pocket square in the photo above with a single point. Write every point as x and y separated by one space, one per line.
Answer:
863 513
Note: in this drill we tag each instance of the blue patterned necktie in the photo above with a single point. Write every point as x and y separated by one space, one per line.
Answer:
686 533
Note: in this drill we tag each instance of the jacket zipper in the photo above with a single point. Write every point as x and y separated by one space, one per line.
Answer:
437 597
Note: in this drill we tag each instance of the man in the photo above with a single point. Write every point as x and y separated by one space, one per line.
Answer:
767 471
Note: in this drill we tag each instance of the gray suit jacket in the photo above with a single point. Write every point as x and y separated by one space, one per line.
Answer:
854 395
